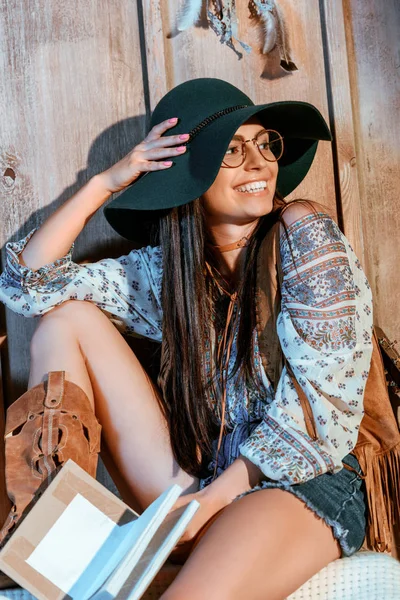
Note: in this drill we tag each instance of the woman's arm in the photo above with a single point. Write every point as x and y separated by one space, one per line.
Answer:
239 477
57 234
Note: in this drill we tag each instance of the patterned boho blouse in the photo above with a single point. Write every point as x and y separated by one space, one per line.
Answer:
325 330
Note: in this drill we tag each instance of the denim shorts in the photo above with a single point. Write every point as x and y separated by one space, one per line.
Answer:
339 499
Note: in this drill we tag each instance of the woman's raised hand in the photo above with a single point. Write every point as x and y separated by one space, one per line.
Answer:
149 155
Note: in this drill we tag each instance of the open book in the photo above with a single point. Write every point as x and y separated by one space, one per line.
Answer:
80 541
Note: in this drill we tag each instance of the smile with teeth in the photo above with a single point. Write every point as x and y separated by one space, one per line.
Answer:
255 186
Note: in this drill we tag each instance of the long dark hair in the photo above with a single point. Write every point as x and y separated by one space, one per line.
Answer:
187 301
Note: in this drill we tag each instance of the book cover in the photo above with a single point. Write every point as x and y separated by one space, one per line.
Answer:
80 541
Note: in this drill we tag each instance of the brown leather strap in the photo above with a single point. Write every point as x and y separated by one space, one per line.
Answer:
55 389
50 428
242 243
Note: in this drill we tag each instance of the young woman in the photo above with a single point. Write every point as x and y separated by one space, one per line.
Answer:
276 504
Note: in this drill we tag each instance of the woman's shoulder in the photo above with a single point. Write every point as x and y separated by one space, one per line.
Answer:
297 210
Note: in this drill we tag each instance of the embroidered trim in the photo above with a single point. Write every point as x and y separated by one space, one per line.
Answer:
315 254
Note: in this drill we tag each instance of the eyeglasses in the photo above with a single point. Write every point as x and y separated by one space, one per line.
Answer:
268 141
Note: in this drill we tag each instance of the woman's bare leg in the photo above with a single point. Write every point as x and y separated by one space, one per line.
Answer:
78 338
265 545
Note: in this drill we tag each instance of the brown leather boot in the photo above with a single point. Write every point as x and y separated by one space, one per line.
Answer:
46 426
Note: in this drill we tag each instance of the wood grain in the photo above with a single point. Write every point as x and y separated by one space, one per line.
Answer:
341 120
73 104
372 30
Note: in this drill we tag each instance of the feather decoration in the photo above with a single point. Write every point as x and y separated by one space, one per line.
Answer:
222 18
190 14
283 42
270 33
234 27
264 11
274 30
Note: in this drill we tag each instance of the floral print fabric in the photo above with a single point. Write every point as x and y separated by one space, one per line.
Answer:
325 330
127 289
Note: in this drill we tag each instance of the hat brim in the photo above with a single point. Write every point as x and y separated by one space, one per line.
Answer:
153 194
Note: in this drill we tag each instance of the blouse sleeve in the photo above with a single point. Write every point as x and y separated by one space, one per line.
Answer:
127 289
325 331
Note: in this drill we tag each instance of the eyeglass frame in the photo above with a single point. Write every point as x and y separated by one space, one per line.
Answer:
244 153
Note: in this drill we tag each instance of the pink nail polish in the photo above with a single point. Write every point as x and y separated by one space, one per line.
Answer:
181 148
173 120
184 136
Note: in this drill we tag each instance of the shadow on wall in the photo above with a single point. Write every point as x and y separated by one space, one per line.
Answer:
97 240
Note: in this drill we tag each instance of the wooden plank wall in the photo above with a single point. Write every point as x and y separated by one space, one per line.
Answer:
80 80
373 33
73 101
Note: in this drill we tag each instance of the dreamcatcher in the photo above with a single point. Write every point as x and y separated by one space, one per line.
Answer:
222 18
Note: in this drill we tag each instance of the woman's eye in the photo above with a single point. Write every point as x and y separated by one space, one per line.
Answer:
232 150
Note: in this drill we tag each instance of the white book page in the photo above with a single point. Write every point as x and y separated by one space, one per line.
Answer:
84 547
71 543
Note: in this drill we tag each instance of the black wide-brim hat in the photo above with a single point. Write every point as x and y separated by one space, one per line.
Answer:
211 110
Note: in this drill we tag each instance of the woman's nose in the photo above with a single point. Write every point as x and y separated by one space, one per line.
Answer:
254 159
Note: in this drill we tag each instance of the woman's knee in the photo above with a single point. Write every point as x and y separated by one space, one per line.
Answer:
61 320
73 308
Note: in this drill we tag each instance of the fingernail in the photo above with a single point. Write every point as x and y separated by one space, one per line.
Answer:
184 136
181 148
173 120
168 163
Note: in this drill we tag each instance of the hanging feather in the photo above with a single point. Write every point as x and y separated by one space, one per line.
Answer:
190 14
274 30
234 27
283 42
270 33
264 12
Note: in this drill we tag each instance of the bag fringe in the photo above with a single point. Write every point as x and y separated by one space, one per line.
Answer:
382 481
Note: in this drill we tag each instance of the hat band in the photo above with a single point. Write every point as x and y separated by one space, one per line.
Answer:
212 118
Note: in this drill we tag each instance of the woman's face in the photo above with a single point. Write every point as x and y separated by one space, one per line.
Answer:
224 203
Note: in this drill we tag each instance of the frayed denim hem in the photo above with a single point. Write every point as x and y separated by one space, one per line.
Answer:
339 532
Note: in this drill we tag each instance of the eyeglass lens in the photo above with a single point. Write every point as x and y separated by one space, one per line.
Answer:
270 145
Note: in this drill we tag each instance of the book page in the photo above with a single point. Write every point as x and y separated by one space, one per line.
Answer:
71 543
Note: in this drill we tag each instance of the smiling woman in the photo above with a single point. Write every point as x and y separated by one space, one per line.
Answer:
240 195
225 419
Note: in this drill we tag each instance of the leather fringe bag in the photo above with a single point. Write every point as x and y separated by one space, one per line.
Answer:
378 444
